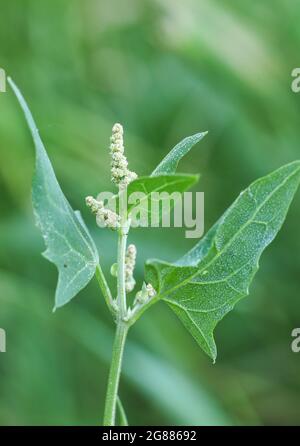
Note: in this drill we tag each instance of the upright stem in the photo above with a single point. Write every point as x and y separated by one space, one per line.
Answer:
114 375
122 326
121 272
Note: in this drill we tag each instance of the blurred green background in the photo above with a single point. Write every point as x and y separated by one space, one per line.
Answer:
165 69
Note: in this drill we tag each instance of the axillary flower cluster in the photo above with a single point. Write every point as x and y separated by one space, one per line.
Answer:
104 216
121 176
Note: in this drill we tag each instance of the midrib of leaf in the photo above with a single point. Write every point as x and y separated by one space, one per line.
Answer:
178 181
193 310
192 320
148 194
227 245
169 163
73 219
72 249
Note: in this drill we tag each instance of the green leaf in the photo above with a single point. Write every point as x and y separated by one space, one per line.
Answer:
170 162
203 286
161 183
122 415
69 244
148 185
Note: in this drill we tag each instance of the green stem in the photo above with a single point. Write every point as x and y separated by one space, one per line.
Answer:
105 289
121 272
114 375
122 327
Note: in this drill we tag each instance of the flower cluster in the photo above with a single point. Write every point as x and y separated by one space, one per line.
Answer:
130 260
104 217
147 292
120 174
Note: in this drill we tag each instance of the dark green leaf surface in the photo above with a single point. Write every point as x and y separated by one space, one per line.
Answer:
69 244
203 286
162 183
169 164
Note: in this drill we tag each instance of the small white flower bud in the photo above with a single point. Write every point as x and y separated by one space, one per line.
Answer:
118 158
93 204
104 217
139 299
151 291
131 250
108 218
147 292
130 284
130 259
117 129
117 173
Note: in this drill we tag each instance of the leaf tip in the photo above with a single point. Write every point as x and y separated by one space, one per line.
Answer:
199 136
213 353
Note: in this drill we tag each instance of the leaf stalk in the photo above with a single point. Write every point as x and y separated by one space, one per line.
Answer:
106 290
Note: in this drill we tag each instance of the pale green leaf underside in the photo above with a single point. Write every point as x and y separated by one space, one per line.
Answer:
169 164
207 282
69 244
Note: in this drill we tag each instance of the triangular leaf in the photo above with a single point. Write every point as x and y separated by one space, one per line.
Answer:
207 282
69 244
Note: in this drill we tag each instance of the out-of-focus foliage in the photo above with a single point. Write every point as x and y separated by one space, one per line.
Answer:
165 69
